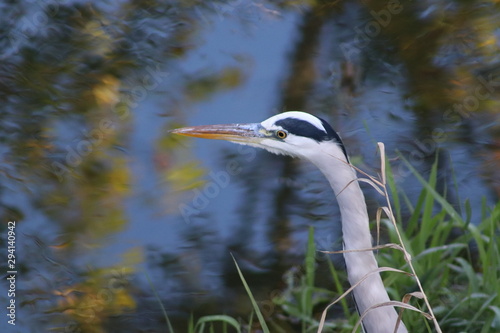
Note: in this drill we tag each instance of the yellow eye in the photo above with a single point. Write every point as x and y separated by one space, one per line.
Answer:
281 134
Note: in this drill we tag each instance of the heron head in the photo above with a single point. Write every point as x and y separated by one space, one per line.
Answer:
293 133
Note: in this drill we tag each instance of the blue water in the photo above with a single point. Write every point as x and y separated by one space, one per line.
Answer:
262 213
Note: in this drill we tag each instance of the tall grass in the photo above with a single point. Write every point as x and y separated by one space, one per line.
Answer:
457 264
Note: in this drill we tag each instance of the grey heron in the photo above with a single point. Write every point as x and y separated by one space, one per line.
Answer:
305 136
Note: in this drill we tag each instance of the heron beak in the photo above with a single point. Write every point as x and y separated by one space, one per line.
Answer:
239 133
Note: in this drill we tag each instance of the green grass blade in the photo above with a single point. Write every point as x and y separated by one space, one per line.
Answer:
256 308
396 204
222 318
191 324
339 287
307 292
169 325
479 313
310 258
438 197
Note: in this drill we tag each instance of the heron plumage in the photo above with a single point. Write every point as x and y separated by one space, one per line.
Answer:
303 135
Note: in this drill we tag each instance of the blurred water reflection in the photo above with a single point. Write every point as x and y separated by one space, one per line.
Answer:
105 197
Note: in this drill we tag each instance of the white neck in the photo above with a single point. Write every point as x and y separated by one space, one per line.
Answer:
356 235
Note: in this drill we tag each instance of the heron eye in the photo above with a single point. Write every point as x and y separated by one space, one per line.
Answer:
281 134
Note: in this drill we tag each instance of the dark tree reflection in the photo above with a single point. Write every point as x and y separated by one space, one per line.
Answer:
75 82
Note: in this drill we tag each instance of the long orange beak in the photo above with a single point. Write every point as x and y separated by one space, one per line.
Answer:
240 133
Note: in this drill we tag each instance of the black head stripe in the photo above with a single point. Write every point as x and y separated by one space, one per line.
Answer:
334 136
304 128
